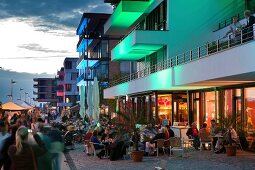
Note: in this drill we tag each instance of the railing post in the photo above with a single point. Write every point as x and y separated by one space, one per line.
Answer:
207 48
217 45
190 55
171 62
198 52
176 60
241 36
228 41
183 57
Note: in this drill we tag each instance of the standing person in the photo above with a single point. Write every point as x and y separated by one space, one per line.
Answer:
248 29
235 29
3 136
22 154
14 119
8 142
192 133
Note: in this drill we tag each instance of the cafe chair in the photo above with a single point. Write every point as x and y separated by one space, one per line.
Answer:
238 143
176 144
160 145
95 151
209 143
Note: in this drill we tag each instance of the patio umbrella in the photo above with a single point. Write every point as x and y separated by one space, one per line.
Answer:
12 107
26 105
96 101
89 100
82 101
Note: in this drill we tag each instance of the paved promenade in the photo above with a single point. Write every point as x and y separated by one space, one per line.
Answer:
193 160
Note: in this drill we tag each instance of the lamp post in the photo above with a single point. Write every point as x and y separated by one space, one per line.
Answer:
26 96
20 99
11 96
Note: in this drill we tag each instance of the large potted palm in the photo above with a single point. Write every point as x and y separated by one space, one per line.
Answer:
127 123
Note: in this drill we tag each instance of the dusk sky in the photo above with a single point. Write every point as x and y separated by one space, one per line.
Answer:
36 35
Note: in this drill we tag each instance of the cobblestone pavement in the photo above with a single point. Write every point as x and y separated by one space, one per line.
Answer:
78 160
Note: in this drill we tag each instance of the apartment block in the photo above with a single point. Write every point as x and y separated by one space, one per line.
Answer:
187 69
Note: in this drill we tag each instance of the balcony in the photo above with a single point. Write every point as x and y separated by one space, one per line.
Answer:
82 79
138 44
219 63
87 62
125 15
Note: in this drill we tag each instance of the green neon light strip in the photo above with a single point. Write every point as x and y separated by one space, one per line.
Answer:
126 13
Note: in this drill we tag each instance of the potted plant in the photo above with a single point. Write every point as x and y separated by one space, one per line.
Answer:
128 121
227 123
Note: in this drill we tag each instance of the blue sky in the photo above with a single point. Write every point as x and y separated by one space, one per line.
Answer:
36 35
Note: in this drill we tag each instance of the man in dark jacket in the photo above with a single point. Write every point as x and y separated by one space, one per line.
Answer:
248 29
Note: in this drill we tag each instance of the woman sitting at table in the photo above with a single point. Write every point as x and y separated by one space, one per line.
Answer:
204 134
226 139
192 133
97 144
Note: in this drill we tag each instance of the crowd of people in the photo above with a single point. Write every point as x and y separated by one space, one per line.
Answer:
28 143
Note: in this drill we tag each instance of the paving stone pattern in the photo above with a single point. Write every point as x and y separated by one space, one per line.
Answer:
192 160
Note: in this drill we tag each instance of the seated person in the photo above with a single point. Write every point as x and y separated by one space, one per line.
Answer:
117 148
150 146
106 137
204 134
229 137
97 144
148 133
170 131
87 138
192 133
214 131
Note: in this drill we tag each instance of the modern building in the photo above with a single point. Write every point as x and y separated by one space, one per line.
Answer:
46 90
94 55
187 71
68 93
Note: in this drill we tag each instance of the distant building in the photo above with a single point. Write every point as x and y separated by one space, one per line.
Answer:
67 91
46 90
94 55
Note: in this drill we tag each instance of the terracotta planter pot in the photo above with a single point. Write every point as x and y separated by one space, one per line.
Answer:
137 156
231 150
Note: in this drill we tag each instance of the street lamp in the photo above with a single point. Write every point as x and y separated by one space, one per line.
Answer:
20 95
26 96
11 96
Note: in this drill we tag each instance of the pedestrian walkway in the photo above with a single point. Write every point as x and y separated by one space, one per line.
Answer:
192 160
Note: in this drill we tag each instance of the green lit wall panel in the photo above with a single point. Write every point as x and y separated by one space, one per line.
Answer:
126 14
139 44
192 22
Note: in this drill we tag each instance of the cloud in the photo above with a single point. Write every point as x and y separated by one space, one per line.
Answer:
38 47
65 12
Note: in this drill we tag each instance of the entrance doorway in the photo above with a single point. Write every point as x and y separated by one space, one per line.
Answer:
180 108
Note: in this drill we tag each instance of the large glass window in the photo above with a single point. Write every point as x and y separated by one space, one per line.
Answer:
249 115
156 20
165 107
210 107
228 104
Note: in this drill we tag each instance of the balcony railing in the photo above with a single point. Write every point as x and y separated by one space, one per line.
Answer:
245 36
